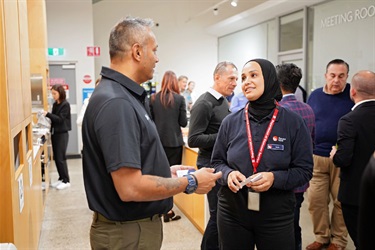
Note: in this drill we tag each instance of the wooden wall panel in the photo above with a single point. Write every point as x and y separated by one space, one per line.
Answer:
25 56
5 177
19 225
13 59
38 42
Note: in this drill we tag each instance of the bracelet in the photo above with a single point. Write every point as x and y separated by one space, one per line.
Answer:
195 178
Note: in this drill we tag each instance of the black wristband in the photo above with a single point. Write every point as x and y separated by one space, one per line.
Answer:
195 178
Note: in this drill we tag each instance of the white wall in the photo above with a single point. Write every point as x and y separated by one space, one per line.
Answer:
184 47
251 43
70 26
352 40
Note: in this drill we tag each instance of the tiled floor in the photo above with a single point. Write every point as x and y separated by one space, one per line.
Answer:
67 220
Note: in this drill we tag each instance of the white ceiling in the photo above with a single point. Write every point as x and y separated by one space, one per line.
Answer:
229 19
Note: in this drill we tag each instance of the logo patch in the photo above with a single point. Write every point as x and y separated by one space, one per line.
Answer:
279 139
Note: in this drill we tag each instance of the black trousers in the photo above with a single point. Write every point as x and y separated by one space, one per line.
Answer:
297 227
350 214
210 240
270 228
174 155
59 146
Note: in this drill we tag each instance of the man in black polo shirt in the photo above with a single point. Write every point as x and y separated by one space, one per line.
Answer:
206 116
126 172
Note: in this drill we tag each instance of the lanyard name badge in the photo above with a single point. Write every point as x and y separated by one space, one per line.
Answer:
253 201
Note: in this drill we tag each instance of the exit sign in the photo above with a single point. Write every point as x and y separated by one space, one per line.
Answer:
56 51
93 51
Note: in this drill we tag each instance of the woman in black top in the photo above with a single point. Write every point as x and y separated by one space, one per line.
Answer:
168 110
61 124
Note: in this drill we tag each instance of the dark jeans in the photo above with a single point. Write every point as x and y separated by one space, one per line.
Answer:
59 146
297 228
350 214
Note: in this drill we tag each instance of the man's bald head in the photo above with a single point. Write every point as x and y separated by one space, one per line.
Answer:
363 82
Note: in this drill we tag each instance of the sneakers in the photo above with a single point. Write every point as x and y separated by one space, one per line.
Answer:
43 185
63 185
55 184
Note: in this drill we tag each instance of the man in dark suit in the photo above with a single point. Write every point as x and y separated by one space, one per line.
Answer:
355 144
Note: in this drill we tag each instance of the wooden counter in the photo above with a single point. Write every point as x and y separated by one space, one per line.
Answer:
193 205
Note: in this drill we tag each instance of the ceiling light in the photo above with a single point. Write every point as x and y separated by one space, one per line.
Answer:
216 11
234 3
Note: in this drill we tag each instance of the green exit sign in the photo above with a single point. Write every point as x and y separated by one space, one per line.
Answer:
56 51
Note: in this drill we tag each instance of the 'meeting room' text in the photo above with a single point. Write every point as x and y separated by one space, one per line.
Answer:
348 17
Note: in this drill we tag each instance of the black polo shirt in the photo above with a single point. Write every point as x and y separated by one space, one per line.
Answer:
117 131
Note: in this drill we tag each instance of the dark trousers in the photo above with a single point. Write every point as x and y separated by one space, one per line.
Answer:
174 155
350 214
297 228
268 229
143 234
59 146
210 238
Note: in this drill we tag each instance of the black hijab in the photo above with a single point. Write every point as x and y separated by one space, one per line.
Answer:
265 104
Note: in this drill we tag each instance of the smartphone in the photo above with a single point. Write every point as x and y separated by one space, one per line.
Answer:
251 179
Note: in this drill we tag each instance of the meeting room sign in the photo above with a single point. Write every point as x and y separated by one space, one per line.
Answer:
348 17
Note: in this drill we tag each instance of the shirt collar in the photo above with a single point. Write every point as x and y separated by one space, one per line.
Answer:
286 95
216 94
125 81
359 103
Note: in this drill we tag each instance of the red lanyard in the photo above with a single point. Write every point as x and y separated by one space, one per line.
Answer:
256 161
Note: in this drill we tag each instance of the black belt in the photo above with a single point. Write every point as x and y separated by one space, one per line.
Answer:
100 217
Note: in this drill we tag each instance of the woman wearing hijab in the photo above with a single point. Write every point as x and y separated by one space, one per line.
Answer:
264 139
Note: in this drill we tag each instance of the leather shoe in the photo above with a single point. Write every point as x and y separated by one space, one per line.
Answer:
316 246
334 246
171 216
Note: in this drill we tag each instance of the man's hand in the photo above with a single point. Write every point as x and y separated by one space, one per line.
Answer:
174 169
206 179
333 152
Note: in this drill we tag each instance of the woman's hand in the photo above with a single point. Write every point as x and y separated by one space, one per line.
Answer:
234 179
45 112
262 184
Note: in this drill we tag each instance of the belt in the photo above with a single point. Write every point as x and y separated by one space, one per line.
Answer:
100 217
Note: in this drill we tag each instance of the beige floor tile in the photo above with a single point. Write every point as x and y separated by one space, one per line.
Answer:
67 220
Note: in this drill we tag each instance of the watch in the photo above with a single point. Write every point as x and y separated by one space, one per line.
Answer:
192 184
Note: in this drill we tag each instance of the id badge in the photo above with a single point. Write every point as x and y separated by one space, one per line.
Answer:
253 201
